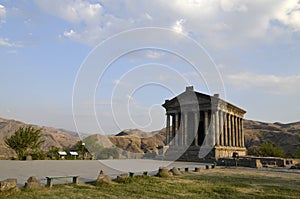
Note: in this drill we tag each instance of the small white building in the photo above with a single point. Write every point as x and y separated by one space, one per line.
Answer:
74 153
62 154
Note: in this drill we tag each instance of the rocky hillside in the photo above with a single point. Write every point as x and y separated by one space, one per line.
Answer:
53 137
286 135
139 142
127 141
136 141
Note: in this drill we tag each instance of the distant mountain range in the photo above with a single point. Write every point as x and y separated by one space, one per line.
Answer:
137 141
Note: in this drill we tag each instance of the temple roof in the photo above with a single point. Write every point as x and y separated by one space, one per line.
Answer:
191 97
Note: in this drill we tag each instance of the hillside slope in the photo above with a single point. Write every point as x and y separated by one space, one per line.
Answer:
128 142
137 141
53 137
286 135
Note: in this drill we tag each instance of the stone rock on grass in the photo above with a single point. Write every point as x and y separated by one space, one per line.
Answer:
123 178
163 172
258 164
8 184
197 169
175 171
32 183
102 178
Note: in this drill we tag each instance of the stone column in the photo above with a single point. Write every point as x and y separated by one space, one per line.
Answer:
168 130
243 135
225 130
173 130
233 130
180 128
236 132
176 122
185 129
229 130
221 114
206 137
217 129
213 128
196 126
239 132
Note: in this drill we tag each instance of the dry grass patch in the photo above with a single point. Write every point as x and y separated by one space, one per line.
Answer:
215 183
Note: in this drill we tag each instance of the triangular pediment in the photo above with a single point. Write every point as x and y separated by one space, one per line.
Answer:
188 98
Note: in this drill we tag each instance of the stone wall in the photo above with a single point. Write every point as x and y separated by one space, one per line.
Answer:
239 162
224 152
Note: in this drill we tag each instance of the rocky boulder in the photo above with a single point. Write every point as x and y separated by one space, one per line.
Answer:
8 184
32 183
102 179
175 171
163 172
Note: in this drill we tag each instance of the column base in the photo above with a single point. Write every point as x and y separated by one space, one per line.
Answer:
227 151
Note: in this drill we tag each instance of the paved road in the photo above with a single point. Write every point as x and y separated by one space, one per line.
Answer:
88 170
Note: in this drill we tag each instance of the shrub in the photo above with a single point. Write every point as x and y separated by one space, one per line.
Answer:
266 149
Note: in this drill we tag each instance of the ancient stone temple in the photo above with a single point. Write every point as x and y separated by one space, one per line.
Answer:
200 127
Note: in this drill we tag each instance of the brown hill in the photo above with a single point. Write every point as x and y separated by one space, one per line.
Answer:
130 140
53 137
145 143
286 135
137 141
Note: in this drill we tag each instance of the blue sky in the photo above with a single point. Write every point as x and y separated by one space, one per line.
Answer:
44 44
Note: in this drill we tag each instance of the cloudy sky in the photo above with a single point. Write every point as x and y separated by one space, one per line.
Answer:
248 52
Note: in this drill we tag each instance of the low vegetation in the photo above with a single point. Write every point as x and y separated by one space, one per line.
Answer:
26 141
266 149
216 183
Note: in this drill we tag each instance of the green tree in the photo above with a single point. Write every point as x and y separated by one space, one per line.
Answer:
81 149
271 149
24 141
53 153
296 154
267 149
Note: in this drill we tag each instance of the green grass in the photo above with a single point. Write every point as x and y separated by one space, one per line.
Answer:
207 184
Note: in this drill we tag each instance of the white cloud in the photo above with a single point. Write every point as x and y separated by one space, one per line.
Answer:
7 43
2 13
78 11
71 33
266 83
233 6
178 27
152 54
221 23
289 14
